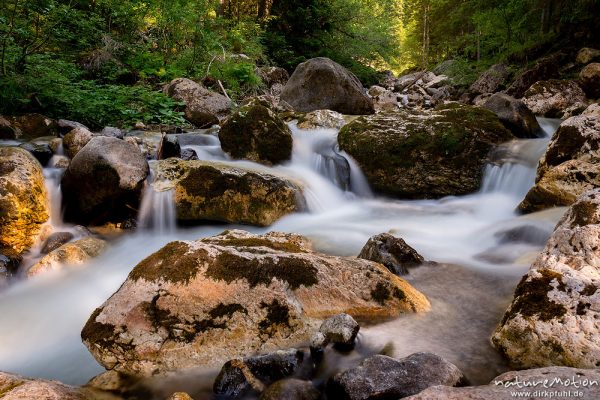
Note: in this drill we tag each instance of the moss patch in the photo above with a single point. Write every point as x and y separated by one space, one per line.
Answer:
294 271
531 298
289 247
277 314
171 263
381 293
98 332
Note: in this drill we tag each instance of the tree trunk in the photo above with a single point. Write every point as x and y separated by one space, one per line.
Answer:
262 9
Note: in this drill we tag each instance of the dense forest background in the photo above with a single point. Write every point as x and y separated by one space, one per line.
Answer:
103 62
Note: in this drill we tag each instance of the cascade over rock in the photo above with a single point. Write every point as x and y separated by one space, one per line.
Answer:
424 154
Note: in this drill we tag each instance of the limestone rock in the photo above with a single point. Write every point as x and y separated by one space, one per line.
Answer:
392 252
104 181
587 55
492 80
204 302
551 98
23 199
514 114
555 313
589 78
546 68
239 377
321 119
341 330
291 389
319 84
424 154
570 166
73 253
256 133
214 191
383 377
204 108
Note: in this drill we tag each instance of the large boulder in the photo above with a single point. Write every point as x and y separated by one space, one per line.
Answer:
492 80
514 114
424 154
383 377
553 319
104 181
7 130
256 133
551 98
570 166
546 68
544 382
213 191
204 108
589 79
204 302
320 83
24 203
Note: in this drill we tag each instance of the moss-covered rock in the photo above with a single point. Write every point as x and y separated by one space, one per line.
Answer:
256 133
213 191
570 166
424 154
23 200
204 302
553 318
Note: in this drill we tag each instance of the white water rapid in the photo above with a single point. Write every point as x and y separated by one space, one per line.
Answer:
483 244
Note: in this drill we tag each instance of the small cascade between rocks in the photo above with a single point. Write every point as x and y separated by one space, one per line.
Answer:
157 210
52 177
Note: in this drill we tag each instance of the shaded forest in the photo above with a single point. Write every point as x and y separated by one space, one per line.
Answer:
103 62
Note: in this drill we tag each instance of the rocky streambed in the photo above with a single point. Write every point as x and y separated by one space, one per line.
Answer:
296 253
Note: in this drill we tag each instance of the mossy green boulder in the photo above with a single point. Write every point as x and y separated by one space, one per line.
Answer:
420 154
200 303
23 200
256 133
216 191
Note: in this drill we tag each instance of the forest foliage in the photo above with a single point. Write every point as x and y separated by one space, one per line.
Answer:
104 61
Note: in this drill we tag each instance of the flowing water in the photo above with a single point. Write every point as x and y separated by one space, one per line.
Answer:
481 244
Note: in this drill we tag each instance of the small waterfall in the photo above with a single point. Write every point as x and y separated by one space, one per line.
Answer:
549 125
509 178
317 150
157 211
52 177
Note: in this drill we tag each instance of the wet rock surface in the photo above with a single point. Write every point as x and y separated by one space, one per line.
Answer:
392 252
204 302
